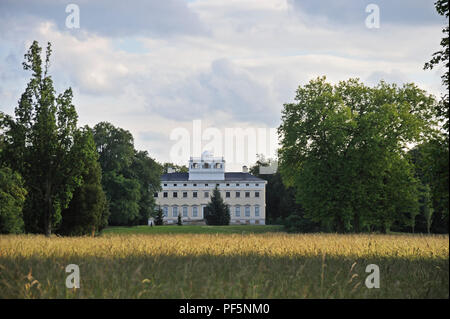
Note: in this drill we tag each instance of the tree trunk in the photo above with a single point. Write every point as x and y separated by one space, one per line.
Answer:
356 223
48 219
340 225
48 213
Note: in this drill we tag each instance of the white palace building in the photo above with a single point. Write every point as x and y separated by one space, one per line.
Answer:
188 194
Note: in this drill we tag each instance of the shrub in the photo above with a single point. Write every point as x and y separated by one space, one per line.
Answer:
299 224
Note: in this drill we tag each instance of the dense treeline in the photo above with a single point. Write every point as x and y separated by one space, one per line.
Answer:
58 178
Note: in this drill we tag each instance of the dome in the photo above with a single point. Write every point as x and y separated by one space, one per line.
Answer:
206 155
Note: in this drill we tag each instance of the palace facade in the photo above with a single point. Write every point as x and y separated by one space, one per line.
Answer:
188 194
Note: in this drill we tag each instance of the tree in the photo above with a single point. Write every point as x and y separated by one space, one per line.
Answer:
176 168
179 220
431 160
12 198
280 200
123 195
40 145
147 172
88 211
159 218
442 56
130 177
217 212
116 153
343 150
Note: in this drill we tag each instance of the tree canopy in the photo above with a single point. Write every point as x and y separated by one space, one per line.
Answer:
40 145
343 148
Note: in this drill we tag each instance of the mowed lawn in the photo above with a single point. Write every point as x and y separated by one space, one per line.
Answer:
222 262
194 229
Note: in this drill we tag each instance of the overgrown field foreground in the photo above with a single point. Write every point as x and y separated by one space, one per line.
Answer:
271 265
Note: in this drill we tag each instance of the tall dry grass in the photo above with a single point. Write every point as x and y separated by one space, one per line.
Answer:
272 265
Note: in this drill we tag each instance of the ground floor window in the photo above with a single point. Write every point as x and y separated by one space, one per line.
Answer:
175 211
238 211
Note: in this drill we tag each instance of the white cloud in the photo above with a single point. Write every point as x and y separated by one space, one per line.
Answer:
229 63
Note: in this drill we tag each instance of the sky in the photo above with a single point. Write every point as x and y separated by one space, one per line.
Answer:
164 69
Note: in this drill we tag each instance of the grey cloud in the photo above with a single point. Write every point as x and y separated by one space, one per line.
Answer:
350 12
112 17
225 87
151 135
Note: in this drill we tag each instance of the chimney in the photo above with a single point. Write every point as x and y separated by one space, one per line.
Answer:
244 169
170 170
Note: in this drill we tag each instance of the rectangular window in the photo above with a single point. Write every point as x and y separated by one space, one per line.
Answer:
184 194
256 184
194 211
175 194
165 184
165 194
174 211
247 194
256 194
174 184
155 195
217 185
206 184
184 184
166 211
195 184
237 184
185 211
238 194
227 194
247 184
257 211
228 184
194 194
247 211
238 211
206 194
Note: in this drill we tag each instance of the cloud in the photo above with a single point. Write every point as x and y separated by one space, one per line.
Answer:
112 18
352 12
225 87
150 67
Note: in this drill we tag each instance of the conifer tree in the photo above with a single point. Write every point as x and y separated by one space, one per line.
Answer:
217 212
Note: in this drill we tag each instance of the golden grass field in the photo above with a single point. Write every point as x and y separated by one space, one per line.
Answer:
270 265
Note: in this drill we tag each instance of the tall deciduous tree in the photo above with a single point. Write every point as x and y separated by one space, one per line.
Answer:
116 151
88 210
129 177
40 145
343 150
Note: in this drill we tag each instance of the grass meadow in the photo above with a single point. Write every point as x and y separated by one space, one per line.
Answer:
224 262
